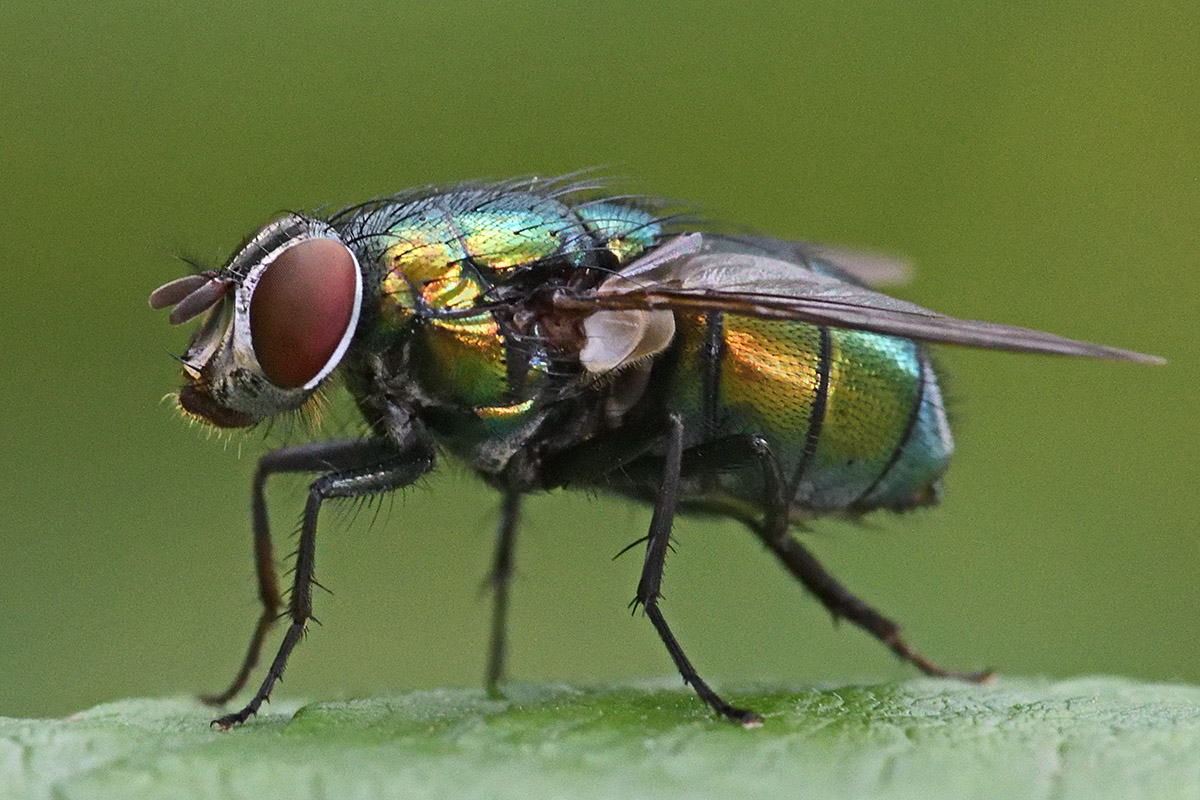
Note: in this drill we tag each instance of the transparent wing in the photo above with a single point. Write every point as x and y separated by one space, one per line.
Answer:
701 272
854 266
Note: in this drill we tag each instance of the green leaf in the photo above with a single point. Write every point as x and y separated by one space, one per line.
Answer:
1083 738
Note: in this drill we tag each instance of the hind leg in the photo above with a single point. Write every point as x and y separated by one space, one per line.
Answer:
773 532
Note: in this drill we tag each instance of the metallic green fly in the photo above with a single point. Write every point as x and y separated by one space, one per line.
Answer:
550 338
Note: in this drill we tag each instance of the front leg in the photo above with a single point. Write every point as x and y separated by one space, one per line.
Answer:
400 469
335 455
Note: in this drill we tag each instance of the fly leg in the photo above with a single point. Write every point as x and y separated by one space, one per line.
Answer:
843 604
393 473
737 451
315 457
652 570
501 575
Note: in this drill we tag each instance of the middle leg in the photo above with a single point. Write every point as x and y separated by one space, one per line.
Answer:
648 587
499 579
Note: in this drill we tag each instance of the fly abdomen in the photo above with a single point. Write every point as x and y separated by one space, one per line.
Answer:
874 447
855 419
913 477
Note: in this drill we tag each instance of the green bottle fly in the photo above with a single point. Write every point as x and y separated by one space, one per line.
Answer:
548 338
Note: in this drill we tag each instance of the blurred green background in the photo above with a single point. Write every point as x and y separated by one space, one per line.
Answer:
1040 163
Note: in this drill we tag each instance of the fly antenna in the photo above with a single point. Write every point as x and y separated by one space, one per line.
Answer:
191 295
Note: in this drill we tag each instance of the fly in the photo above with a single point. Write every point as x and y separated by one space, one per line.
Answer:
548 338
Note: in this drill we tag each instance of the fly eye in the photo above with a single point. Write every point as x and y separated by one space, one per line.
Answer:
303 311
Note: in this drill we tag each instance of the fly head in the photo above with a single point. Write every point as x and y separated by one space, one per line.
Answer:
280 317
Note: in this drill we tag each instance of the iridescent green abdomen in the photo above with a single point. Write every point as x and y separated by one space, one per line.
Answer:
855 419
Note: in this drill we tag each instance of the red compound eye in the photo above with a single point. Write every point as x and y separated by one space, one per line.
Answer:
302 309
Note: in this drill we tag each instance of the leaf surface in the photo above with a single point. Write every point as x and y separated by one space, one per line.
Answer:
1082 738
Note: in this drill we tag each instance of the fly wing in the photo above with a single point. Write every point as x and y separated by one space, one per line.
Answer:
853 266
710 273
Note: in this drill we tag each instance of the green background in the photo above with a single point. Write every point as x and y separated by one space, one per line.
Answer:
1040 164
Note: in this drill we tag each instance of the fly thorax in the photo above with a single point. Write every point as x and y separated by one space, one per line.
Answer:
457 278
444 265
